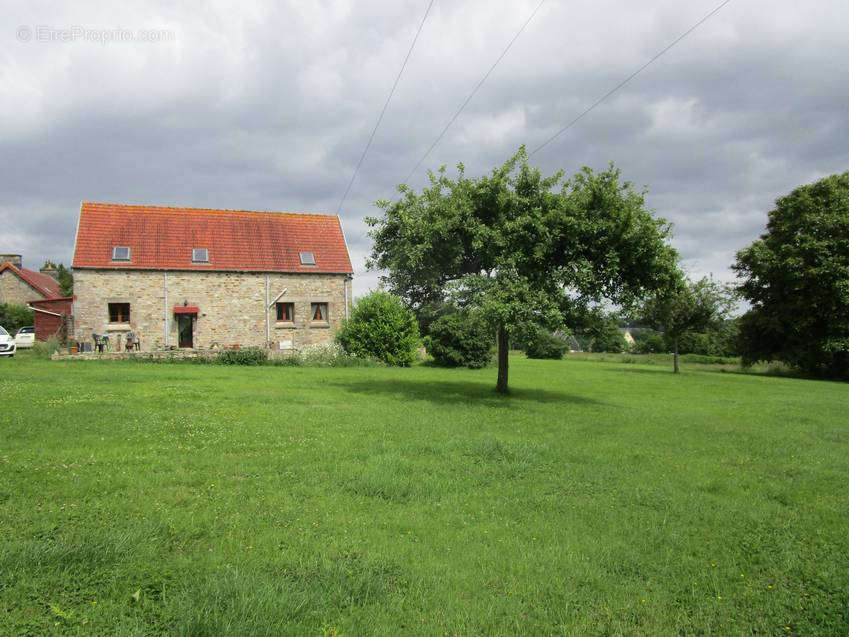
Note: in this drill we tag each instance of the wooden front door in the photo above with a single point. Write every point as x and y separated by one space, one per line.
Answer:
184 329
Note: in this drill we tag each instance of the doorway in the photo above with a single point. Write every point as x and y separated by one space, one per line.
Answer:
185 323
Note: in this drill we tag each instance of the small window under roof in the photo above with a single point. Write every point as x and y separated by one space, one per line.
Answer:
120 253
307 258
200 255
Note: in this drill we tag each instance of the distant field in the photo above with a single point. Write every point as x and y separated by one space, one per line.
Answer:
600 498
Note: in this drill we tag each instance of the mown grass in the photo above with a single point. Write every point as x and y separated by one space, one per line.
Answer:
609 498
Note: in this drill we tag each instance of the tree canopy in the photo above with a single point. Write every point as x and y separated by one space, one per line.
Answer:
687 306
520 248
796 278
13 317
63 276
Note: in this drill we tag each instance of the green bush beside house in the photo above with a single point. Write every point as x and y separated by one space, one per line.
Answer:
380 327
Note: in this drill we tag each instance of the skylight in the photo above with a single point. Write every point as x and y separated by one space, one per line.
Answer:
307 258
200 255
120 253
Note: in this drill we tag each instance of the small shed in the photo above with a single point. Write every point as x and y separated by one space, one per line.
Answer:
52 317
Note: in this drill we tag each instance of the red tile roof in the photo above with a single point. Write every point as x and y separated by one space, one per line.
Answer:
44 284
162 238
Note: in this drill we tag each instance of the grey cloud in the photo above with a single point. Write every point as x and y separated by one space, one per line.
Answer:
269 107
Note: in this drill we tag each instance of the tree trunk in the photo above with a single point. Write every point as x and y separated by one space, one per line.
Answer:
503 350
675 355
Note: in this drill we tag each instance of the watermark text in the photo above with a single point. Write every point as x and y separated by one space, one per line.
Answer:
77 33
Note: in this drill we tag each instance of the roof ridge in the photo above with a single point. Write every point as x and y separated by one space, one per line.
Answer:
34 279
156 208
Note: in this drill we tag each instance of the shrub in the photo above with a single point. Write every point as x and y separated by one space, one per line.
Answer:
326 355
460 340
541 343
650 343
247 356
14 317
45 349
710 360
609 340
381 327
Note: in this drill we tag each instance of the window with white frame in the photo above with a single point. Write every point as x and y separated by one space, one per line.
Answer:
200 255
121 253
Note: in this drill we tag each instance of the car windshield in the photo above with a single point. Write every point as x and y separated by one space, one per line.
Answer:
26 330
3 332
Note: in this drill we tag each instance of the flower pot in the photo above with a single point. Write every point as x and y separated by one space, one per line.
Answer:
74 349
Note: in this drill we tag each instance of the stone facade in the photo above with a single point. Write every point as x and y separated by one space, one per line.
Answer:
233 307
15 290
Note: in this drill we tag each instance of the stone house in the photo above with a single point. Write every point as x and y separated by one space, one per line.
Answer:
201 278
20 286
40 291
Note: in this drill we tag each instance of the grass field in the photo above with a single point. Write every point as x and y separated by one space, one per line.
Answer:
599 498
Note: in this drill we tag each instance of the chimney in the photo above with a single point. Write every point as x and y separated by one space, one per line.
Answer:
14 259
50 270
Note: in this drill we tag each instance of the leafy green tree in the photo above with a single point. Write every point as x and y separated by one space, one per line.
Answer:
606 336
796 278
14 316
429 313
649 342
544 344
520 248
726 337
694 343
686 307
461 339
66 280
381 327
63 276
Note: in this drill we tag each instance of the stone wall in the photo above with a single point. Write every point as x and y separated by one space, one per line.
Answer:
232 306
14 290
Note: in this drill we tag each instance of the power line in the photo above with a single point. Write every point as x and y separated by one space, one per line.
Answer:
385 106
475 90
628 79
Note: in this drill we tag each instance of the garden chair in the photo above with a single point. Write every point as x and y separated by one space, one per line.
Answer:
132 342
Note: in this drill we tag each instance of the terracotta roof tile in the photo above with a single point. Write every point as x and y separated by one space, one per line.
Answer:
162 238
44 284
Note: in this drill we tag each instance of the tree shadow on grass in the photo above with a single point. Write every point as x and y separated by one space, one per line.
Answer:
642 370
460 393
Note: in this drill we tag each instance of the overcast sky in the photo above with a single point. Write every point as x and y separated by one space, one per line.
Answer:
269 106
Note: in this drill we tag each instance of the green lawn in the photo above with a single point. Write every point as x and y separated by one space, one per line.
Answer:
600 498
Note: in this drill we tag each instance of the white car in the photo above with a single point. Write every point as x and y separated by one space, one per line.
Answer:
25 337
7 343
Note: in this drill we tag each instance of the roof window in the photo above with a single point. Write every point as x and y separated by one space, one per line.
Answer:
200 255
121 253
307 258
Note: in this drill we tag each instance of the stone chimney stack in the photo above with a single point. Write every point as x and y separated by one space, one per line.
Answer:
14 259
50 270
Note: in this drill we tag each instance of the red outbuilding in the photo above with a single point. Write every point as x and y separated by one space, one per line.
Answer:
52 317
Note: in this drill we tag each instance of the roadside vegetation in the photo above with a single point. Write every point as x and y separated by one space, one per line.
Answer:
613 498
13 317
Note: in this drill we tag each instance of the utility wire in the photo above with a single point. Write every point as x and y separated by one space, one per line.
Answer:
628 79
475 90
385 106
